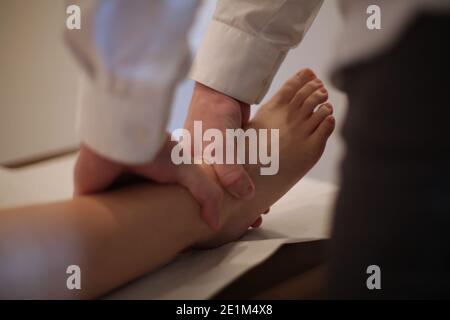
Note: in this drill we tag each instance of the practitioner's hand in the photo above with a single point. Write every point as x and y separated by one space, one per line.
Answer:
219 111
94 173
235 221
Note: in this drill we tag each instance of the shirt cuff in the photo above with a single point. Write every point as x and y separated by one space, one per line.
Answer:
128 129
236 63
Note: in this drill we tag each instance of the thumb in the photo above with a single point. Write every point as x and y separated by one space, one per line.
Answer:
235 180
93 173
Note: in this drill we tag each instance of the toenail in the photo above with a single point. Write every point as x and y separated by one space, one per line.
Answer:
323 90
308 73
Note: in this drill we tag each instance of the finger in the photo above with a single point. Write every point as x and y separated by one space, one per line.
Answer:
235 180
93 173
257 223
206 191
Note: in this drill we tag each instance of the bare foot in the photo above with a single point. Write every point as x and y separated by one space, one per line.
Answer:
305 122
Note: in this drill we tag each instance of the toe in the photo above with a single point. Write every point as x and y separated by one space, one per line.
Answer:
293 85
304 76
319 96
302 94
257 223
324 130
318 117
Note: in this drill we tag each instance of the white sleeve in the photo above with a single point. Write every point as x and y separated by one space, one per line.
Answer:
133 53
246 42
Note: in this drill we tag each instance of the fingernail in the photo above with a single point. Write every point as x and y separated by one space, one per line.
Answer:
242 188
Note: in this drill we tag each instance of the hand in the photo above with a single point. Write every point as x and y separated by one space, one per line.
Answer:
235 221
219 111
94 173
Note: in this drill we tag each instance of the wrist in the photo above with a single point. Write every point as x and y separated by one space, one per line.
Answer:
200 87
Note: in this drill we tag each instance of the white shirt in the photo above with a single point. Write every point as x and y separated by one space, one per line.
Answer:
134 54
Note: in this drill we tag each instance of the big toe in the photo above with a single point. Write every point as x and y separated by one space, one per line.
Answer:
293 85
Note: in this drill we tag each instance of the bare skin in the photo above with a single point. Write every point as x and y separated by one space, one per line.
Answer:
94 173
117 236
218 111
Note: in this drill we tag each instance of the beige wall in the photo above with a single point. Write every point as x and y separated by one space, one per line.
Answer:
38 80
